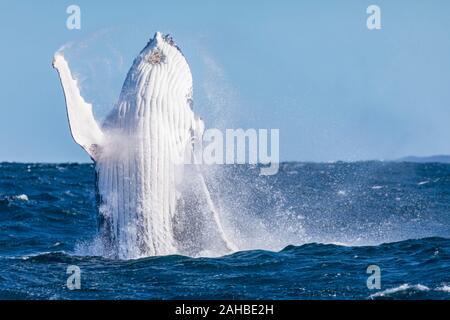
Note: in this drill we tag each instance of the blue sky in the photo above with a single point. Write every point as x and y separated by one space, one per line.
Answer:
336 90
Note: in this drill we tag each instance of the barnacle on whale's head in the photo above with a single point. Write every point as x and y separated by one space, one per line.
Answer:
155 56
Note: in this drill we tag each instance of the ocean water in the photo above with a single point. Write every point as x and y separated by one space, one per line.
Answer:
309 232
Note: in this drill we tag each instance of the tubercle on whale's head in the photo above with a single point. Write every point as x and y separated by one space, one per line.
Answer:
159 39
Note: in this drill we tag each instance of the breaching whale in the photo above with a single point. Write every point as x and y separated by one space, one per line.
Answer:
150 201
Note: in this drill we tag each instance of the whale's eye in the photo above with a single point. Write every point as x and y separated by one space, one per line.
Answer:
156 56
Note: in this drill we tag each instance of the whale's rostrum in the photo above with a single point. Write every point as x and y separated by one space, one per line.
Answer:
151 203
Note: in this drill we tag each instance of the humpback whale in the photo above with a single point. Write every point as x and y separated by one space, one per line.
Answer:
151 202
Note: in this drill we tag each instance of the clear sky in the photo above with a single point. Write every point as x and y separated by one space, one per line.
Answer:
336 90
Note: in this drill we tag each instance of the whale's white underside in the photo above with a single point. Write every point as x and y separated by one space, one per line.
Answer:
150 202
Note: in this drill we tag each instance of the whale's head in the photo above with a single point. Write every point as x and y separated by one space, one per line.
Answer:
160 65
159 73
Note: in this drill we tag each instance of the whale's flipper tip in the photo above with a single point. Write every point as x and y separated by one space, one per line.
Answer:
58 59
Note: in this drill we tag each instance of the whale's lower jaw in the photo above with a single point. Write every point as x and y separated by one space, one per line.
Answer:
137 190
144 211
151 205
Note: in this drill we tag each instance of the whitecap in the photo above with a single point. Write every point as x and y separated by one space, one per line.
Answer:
444 288
403 287
21 197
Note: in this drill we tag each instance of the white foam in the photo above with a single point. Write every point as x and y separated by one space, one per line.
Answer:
401 288
443 288
21 197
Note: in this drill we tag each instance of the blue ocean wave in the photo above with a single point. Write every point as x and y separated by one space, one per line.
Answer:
309 232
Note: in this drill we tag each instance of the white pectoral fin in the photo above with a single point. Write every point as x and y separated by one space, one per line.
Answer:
205 198
227 243
85 130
